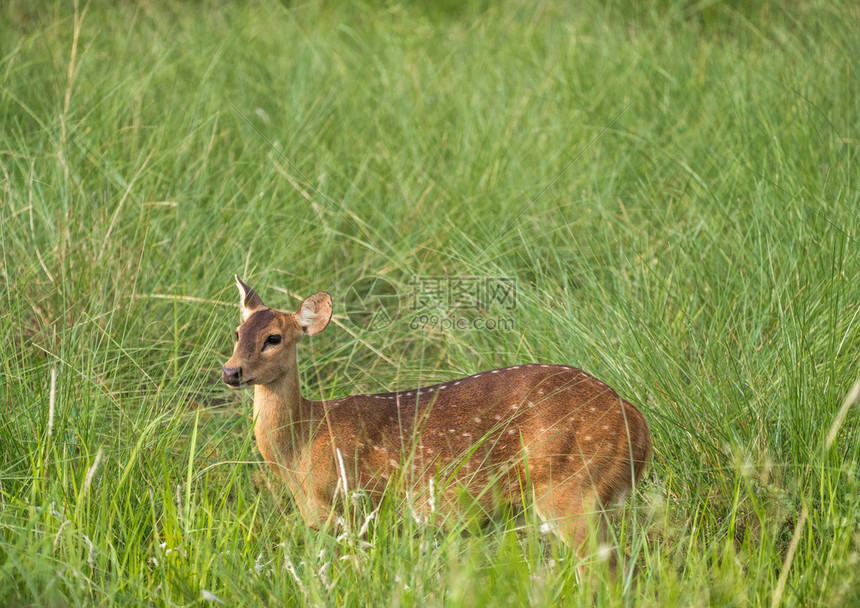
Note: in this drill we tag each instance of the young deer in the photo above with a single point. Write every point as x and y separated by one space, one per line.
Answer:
551 432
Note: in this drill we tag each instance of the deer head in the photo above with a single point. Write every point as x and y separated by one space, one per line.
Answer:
266 339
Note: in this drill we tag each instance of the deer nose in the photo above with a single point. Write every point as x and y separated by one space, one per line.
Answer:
233 377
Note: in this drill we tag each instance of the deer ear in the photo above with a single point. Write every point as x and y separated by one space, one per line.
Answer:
314 313
249 301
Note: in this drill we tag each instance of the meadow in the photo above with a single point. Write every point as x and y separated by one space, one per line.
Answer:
672 187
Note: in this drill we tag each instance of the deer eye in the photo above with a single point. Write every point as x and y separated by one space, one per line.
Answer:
236 334
273 339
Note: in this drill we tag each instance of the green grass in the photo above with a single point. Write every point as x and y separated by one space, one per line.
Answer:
673 186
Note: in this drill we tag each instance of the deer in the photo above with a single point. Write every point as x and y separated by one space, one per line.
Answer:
551 432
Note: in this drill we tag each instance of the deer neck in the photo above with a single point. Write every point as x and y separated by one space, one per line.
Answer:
282 417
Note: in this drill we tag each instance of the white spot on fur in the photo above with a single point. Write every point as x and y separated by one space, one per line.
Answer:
451 431
512 431
457 382
443 386
467 434
497 417
516 367
544 365
495 371
478 420
588 437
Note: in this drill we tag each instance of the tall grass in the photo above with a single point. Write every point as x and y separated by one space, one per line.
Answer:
673 186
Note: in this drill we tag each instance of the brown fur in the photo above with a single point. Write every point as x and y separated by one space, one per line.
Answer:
578 444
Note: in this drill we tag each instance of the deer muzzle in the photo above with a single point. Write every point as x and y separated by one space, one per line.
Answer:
232 376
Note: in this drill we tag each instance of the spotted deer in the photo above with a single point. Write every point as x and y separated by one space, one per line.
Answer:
551 433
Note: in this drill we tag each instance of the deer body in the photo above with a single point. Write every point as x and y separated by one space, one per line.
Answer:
551 432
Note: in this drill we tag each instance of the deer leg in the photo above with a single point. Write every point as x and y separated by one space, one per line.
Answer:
575 517
313 507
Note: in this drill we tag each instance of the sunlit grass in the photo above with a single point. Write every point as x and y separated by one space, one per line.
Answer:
699 254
